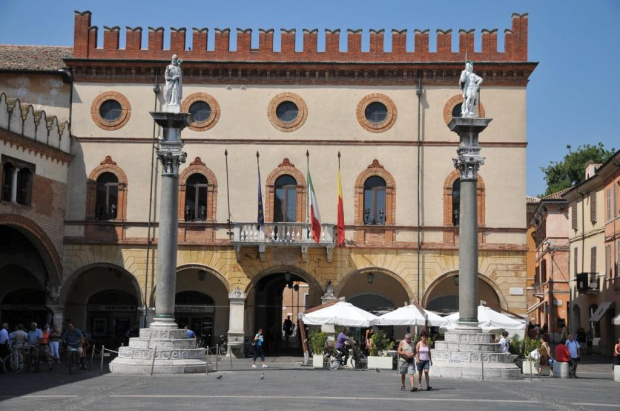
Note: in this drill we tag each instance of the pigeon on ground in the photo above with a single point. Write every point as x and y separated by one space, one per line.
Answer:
377 369
219 377
262 376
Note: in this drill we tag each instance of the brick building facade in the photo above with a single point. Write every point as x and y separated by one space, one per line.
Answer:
384 111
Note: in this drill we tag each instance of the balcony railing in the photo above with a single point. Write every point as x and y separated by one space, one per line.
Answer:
282 235
588 283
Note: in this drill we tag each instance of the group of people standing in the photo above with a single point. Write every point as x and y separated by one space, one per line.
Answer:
414 358
43 341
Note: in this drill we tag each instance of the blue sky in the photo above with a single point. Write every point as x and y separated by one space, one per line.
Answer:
572 95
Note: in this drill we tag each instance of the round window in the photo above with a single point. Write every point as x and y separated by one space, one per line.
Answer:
110 110
287 111
200 111
376 112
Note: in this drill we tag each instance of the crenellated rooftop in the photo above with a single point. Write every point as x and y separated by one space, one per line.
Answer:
86 38
31 129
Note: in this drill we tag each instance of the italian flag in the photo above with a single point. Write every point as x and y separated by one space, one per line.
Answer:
315 215
340 225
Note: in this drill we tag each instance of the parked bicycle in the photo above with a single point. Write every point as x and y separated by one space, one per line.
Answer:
334 359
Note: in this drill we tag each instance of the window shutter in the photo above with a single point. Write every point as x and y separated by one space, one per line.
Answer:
608 269
593 207
576 258
593 260
615 200
574 216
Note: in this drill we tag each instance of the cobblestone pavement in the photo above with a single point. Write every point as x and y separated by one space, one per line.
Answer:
287 385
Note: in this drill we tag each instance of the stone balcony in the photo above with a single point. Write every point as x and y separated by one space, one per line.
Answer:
281 235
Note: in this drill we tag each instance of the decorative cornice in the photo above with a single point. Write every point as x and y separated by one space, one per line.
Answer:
108 161
375 164
43 150
197 162
286 163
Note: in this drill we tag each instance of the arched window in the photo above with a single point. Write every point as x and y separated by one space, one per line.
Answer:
452 205
24 186
106 204
285 199
7 181
456 202
196 198
374 200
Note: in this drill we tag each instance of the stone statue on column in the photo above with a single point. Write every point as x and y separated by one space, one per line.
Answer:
173 90
470 88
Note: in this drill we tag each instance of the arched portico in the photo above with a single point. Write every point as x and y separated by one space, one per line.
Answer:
442 293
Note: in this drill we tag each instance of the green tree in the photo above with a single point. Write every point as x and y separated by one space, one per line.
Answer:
571 170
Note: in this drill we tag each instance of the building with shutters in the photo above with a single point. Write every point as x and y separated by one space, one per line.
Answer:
594 236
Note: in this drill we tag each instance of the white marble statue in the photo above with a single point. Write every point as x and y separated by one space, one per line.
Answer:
173 90
470 87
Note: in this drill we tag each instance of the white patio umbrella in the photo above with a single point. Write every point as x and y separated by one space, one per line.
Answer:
490 320
410 315
616 320
341 313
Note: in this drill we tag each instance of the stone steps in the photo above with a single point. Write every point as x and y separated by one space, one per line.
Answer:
134 366
462 346
160 343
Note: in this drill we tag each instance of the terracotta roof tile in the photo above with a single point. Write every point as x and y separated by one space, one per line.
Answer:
33 58
557 195
532 200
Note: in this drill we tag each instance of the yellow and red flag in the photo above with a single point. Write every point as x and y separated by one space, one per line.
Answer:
340 225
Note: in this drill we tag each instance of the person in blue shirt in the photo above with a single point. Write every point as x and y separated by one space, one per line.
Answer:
74 338
189 333
575 353
258 348
341 344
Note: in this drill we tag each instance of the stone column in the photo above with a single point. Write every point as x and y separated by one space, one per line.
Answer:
236 323
328 297
171 156
468 163
14 185
57 315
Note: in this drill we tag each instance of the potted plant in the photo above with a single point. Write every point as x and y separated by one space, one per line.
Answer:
379 356
317 340
530 364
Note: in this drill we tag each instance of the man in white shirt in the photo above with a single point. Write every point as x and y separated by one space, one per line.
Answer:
4 340
575 352
503 341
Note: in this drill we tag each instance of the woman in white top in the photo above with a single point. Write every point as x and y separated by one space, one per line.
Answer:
423 359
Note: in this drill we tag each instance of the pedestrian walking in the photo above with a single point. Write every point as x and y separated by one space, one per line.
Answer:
45 344
258 348
617 353
287 327
5 343
574 350
423 360
406 365
53 344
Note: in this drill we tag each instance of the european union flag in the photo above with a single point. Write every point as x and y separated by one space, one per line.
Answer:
261 216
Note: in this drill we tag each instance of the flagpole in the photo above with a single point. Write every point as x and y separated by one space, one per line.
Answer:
308 193
230 232
260 219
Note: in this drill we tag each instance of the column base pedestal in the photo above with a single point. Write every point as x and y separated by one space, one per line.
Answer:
468 353
174 353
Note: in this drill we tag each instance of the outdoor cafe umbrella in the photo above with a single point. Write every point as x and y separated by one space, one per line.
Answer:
411 315
341 313
490 320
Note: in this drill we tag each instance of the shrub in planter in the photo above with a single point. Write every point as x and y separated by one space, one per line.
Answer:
317 340
380 343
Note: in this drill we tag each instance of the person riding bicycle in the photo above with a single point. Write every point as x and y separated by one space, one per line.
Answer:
342 343
74 338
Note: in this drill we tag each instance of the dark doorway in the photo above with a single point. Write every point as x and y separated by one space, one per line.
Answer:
268 313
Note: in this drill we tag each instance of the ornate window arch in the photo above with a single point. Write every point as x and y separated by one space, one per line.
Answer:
285 168
375 169
450 214
107 166
198 167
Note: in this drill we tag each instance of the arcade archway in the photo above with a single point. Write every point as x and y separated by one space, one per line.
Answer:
102 300
272 297
202 303
443 294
